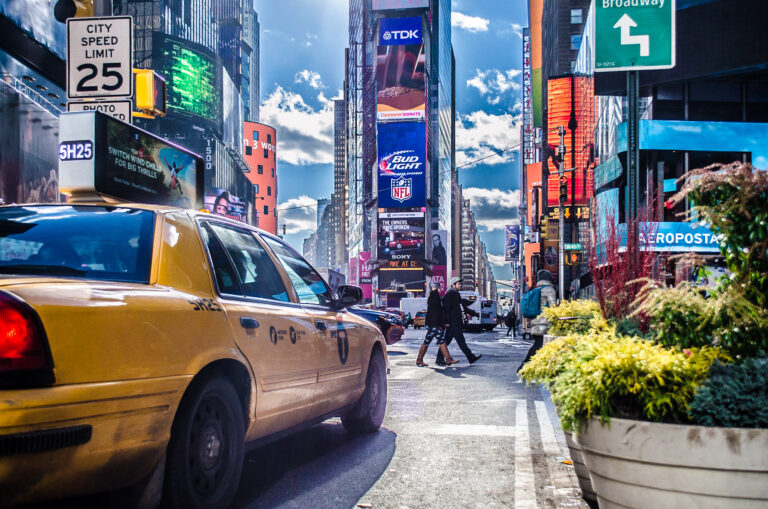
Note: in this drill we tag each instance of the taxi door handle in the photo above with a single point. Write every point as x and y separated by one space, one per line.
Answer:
321 325
248 323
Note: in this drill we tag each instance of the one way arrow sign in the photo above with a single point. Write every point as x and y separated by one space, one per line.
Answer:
634 35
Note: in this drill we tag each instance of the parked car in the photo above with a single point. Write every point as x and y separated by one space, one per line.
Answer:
420 319
141 342
389 324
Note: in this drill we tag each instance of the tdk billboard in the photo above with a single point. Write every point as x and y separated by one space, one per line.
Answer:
402 151
398 31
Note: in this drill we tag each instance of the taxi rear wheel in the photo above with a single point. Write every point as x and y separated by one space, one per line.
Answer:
368 413
205 454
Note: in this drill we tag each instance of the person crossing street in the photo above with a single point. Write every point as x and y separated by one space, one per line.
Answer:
454 322
435 328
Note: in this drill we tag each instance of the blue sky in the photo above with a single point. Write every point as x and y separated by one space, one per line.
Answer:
302 70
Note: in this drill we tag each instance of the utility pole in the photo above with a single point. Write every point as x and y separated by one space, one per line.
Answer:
561 216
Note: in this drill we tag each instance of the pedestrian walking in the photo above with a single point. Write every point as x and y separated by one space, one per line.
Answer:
511 321
454 322
544 295
435 327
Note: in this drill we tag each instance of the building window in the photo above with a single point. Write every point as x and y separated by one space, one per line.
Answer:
260 170
576 16
256 188
575 43
269 138
255 135
248 150
269 190
266 154
266 210
273 172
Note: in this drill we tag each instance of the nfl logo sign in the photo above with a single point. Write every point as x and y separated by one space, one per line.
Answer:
401 189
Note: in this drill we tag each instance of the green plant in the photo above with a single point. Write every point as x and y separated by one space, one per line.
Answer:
575 317
609 375
630 326
734 395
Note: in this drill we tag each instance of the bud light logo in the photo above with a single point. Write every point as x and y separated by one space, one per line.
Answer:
401 189
402 160
396 31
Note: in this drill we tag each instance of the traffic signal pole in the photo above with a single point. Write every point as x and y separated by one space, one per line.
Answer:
561 217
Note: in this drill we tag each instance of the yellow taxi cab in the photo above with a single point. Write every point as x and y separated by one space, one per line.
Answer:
145 342
420 319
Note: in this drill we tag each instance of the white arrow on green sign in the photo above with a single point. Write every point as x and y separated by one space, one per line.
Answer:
634 35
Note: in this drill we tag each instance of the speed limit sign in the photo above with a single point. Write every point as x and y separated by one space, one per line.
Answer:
99 57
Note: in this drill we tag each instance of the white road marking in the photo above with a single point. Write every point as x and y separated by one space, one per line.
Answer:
548 440
525 485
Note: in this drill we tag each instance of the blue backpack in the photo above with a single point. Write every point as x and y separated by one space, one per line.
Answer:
530 306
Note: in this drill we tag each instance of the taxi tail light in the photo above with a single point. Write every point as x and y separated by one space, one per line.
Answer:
25 360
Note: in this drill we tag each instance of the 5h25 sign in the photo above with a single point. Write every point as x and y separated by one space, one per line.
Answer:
99 57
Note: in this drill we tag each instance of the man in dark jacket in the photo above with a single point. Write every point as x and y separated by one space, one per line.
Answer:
454 320
511 321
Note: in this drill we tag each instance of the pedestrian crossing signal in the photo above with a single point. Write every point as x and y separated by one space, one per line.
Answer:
574 257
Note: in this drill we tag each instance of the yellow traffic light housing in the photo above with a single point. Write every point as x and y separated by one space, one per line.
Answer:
150 93
563 196
544 227
65 9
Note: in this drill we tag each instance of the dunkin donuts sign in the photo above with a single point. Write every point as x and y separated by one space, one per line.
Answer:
402 148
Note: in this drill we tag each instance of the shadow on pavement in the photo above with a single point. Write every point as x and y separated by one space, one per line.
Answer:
321 467
391 353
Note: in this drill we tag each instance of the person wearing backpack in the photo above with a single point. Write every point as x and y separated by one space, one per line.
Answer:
544 295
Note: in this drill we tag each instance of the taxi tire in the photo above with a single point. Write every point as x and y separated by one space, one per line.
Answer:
368 413
209 409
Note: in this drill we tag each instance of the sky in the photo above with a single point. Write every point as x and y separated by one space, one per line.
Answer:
302 71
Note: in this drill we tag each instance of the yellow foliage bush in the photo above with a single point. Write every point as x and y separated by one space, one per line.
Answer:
575 317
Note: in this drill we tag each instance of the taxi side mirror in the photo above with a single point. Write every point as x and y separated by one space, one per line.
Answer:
349 295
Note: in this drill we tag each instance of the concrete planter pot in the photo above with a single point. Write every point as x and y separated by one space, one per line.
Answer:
637 464
581 469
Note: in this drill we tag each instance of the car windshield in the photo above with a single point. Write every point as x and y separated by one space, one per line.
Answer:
94 242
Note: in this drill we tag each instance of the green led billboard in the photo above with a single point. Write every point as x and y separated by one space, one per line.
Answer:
193 77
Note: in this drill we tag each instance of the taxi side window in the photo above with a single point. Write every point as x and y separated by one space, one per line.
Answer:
308 284
222 268
253 270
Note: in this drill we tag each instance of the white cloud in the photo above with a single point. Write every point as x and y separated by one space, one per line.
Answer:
298 214
494 83
469 23
512 28
497 260
480 135
304 134
493 208
311 77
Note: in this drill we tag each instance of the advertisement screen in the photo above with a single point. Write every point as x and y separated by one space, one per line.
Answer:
401 236
396 31
193 77
512 250
402 148
364 264
388 5
439 257
223 203
401 280
400 78
134 165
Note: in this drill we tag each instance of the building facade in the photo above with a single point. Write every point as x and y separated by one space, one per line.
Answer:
260 152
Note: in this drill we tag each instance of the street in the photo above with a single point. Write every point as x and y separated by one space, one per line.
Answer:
463 436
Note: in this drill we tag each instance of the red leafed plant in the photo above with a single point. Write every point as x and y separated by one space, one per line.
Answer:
620 263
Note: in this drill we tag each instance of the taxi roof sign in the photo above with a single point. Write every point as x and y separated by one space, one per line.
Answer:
100 156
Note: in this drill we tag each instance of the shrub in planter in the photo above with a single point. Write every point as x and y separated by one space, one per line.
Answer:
734 395
575 317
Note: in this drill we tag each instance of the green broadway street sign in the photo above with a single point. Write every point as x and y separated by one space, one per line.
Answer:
634 35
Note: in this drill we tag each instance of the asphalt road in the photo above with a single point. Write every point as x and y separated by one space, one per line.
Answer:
458 437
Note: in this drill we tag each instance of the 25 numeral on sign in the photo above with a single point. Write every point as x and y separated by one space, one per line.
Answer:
106 72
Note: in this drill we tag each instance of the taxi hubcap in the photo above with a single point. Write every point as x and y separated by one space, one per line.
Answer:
208 458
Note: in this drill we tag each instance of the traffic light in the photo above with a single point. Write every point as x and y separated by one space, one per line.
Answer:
563 197
574 257
65 9
544 227
150 93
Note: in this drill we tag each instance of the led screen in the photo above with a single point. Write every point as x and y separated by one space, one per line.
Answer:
400 71
382 5
401 236
193 77
402 148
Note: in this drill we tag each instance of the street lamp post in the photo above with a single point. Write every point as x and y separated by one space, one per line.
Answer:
561 216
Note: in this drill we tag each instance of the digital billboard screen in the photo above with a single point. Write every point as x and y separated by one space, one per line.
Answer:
402 151
224 203
193 77
401 280
390 5
400 74
401 236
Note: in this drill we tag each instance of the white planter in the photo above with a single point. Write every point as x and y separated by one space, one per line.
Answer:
581 469
637 464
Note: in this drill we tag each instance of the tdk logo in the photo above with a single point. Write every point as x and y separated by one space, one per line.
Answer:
396 31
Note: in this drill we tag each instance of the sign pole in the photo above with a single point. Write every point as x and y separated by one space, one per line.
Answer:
561 214
633 163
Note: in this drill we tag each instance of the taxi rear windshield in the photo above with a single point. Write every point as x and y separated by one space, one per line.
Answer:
91 242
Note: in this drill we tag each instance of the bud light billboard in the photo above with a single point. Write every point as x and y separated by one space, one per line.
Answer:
402 151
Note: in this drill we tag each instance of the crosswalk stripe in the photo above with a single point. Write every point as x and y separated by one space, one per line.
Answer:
525 486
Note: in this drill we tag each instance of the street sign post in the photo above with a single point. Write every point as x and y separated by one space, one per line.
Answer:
634 35
120 109
99 57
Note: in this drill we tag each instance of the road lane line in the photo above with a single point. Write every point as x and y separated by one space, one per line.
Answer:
548 440
525 485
